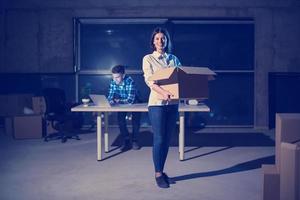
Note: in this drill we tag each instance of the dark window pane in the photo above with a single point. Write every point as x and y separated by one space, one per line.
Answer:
218 46
106 45
284 94
231 101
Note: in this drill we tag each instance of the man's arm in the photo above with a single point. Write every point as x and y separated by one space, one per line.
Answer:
131 93
111 93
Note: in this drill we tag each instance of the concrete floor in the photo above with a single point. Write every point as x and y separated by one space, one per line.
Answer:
226 164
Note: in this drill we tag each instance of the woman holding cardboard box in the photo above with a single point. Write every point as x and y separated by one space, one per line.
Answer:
162 108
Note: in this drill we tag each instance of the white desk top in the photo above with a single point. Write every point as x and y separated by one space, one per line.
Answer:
139 107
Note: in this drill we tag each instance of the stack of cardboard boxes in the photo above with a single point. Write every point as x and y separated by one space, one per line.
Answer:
290 171
19 125
282 180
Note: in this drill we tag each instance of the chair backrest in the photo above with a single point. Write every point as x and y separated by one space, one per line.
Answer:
55 100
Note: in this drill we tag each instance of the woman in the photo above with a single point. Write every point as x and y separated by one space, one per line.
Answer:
162 109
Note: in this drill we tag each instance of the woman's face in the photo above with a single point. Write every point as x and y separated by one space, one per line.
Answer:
160 42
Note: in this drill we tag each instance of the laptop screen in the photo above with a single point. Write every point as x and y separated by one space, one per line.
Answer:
99 100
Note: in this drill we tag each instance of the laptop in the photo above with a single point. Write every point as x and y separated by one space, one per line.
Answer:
100 100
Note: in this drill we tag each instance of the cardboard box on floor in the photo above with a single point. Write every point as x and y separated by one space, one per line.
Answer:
14 104
287 130
290 171
39 107
24 126
271 182
184 82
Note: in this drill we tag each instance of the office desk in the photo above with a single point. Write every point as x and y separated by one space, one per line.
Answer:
134 108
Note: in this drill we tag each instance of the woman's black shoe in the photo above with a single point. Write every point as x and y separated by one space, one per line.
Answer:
168 179
161 182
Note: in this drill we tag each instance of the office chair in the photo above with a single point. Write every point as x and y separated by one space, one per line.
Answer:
59 114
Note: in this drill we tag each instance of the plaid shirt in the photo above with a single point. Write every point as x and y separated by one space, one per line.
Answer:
126 92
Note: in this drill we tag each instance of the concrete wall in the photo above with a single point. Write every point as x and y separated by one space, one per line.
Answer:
37 35
1 34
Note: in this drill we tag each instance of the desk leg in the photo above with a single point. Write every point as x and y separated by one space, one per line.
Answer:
181 135
106 145
99 137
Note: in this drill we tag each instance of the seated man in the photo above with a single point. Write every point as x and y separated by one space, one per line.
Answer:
122 90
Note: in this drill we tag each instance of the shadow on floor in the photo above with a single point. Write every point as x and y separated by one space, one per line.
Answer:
204 154
249 165
209 139
115 154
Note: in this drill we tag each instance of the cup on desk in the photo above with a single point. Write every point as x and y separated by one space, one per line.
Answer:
85 102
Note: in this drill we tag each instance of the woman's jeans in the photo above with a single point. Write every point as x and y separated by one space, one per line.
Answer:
163 120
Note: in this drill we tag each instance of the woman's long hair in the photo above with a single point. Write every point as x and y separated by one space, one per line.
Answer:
168 47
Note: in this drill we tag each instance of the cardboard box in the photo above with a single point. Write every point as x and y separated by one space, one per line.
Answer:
271 182
290 171
184 82
287 130
38 105
24 126
14 104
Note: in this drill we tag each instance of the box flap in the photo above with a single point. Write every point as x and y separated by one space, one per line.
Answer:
162 74
14 104
38 104
197 70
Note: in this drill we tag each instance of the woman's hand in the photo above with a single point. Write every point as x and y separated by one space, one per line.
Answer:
163 94
166 95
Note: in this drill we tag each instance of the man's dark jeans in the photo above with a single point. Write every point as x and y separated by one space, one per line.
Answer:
136 117
163 120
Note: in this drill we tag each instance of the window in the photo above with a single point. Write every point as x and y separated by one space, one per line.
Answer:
225 46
